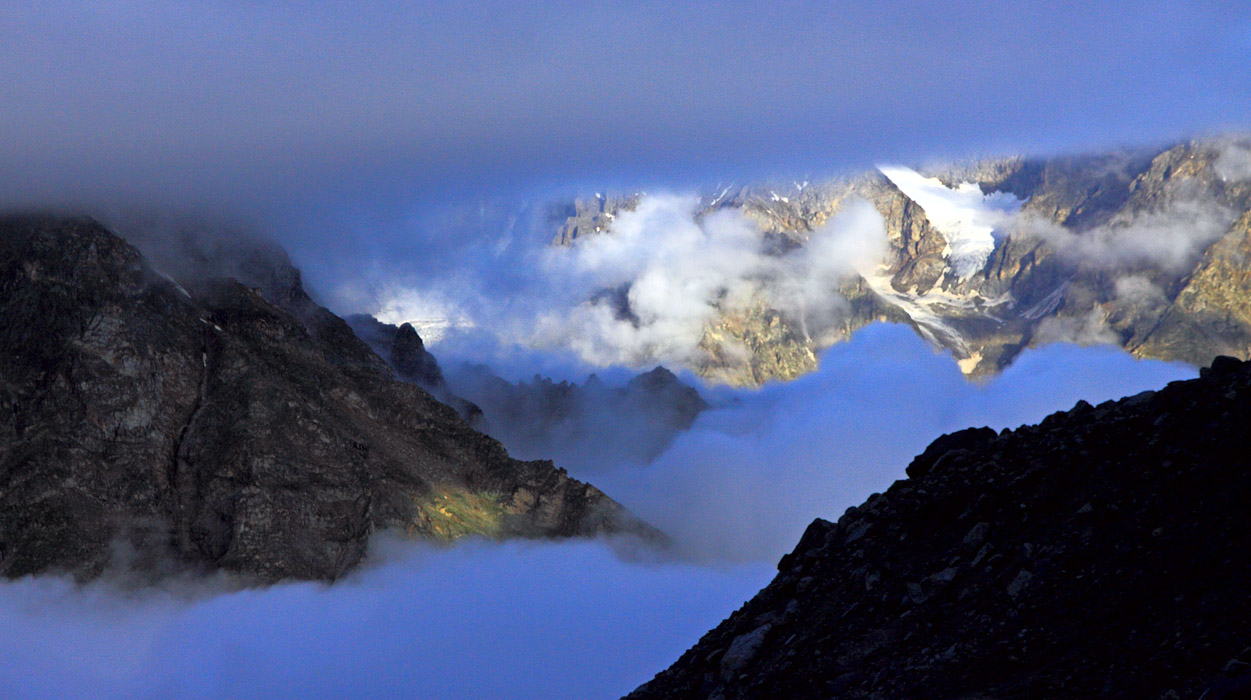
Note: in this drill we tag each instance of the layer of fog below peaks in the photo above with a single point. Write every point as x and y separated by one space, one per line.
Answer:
759 465
524 621
556 620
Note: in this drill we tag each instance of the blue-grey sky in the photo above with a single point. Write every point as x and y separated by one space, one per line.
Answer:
249 101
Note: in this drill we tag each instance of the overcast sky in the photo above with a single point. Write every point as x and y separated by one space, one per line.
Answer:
255 100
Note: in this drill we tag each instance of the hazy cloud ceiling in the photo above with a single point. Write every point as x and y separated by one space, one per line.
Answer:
199 96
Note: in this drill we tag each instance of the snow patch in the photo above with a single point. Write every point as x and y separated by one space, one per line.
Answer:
929 321
966 216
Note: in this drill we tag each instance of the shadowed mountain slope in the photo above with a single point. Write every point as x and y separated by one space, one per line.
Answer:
230 426
1100 553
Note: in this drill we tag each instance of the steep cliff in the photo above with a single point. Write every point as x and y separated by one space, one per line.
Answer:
226 425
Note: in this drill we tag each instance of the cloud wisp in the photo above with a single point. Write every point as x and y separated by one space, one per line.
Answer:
1234 162
1169 239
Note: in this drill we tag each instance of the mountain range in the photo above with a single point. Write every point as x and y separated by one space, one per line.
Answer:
1143 248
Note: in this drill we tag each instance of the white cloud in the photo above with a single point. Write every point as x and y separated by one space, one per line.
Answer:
644 290
1234 163
1169 239
1090 328
1139 290
677 269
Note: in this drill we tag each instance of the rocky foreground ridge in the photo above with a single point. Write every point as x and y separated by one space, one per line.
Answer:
227 425
1101 553
1143 248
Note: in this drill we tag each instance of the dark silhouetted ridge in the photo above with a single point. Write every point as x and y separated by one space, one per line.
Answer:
1101 553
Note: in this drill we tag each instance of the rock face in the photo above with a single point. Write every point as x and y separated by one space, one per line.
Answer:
588 216
1141 248
227 425
1101 553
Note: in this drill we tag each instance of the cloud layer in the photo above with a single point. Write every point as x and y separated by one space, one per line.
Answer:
751 474
478 621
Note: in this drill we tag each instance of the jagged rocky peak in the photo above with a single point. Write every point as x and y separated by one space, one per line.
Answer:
660 380
411 358
661 392
587 216
196 419
1138 247
1100 553
542 416
403 348
406 353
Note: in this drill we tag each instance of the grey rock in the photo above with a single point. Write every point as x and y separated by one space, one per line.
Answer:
741 651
